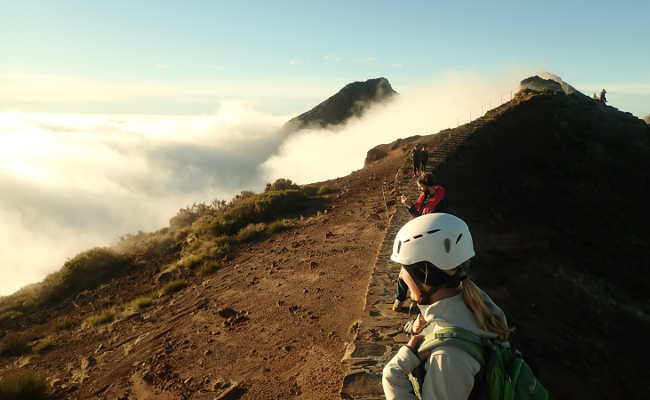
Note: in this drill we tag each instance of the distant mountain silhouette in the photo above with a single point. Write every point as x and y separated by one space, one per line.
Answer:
350 101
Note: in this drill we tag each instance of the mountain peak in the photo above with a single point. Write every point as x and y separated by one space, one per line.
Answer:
352 100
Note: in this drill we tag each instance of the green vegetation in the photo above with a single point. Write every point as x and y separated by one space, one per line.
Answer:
43 345
197 240
279 226
21 384
261 207
9 316
63 323
85 271
172 287
15 344
281 184
324 189
252 232
140 304
101 318
208 269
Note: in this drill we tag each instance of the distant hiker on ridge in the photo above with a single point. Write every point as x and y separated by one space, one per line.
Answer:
603 99
429 201
424 158
416 158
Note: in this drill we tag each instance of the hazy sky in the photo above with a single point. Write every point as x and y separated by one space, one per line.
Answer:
183 57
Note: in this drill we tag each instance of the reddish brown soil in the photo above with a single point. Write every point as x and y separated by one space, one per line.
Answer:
272 323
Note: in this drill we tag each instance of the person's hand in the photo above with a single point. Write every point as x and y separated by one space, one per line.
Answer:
414 342
419 324
403 199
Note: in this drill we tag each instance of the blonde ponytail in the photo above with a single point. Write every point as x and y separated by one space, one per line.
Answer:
486 319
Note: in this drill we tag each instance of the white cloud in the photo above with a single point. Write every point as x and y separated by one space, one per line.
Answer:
397 66
45 88
330 58
364 60
421 109
70 182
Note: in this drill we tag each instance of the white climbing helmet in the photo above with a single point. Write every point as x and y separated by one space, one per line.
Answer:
441 239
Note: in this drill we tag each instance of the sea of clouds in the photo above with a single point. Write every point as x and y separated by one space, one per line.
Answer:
71 182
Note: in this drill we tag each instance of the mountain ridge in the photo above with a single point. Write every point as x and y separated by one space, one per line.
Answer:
526 168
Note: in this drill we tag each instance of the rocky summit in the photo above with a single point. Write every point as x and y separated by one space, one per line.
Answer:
352 100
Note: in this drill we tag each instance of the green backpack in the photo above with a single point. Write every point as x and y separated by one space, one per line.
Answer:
504 373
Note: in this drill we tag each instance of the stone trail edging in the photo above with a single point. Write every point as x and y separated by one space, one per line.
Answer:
379 333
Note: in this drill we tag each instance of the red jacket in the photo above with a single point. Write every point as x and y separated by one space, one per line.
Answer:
421 208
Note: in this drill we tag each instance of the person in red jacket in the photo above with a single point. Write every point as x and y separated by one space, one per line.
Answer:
430 200
431 195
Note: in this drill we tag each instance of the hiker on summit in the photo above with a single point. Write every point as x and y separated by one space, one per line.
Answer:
603 99
429 201
435 250
424 158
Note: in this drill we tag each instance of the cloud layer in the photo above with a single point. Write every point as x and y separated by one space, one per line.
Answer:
70 182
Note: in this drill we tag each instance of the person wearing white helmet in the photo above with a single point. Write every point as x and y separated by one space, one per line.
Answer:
435 250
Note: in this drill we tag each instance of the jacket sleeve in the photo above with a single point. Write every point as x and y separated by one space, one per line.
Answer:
413 211
438 197
395 380
450 375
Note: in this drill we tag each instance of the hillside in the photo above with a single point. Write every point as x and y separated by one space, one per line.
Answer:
268 320
556 190
352 100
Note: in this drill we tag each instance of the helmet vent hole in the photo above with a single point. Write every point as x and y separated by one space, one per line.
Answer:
447 245
417 236
406 241
433 231
459 237
399 246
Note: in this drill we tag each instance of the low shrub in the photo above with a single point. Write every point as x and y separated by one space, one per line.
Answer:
208 269
172 287
281 184
141 303
15 344
87 270
258 208
149 244
101 318
324 189
190 261
278 226
10 315
43 345
63 323
310 190
21 384
252 232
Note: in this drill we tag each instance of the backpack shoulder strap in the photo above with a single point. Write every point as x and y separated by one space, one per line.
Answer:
463 339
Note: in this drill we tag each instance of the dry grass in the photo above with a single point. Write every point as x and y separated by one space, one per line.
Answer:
172 287
22 384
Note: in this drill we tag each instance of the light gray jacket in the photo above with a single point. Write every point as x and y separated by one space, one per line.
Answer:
450 371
